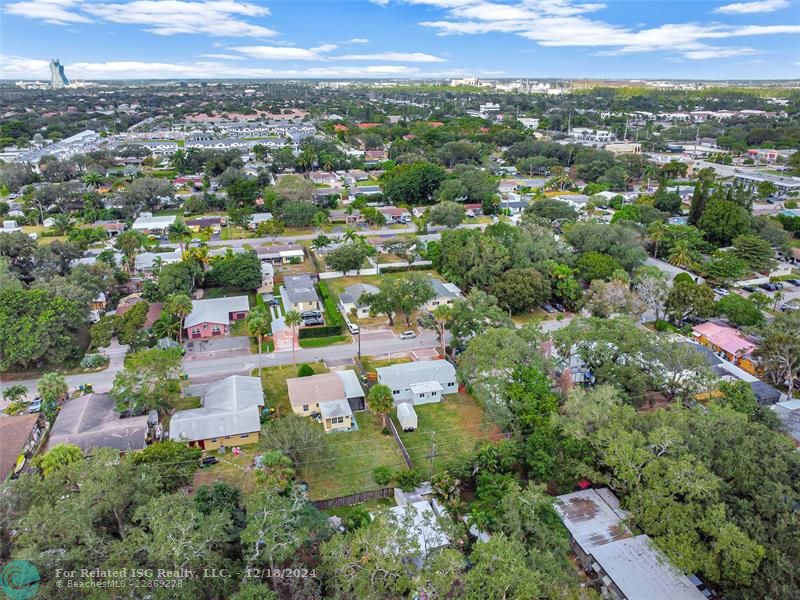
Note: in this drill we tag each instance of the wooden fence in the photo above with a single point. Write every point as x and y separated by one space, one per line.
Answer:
358 498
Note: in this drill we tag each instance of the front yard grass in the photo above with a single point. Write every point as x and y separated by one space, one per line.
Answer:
273 379
350 460
370 363
459 424
325 341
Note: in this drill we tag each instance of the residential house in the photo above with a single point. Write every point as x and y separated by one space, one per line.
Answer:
445 294
576 201
474 209
323 178
626 567
229 416
375 156
99 302
19 435
333 395
394 214
280 254
298 293
351 299
192 181
257 218
213 317
729 342
422 382
147 261
153 311
348 218
113 228
150 225
364 190
212 222
92 421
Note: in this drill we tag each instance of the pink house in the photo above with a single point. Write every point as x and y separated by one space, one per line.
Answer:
212 318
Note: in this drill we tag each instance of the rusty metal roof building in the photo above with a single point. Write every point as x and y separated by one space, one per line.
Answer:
593 518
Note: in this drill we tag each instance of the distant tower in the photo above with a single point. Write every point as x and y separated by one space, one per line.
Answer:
57 77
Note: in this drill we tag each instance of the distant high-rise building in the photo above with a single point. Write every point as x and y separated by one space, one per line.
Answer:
57 77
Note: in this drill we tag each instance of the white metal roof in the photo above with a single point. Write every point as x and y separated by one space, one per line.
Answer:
426 386
591 518
352 387
639 570
335 408
403 375
151 222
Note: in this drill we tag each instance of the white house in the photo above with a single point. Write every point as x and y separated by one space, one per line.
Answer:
445 294
419 382
148 224
350 299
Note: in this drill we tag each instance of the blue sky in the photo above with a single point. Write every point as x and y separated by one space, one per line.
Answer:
117 39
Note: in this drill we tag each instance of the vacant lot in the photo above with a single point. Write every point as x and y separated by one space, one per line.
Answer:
350 458
234 470
458 423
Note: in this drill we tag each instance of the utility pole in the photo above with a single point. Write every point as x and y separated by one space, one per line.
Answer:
432 455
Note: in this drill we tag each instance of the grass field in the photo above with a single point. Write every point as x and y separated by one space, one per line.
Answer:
458 423
231 469
350 459
370 363
274 381
325 341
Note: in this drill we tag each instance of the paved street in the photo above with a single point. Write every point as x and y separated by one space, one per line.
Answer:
206 367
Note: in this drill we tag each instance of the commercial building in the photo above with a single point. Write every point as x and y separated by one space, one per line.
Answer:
58 79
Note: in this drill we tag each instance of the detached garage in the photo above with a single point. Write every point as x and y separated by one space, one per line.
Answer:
407 416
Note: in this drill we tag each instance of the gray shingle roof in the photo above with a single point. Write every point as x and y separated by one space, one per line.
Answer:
300 288
230 407
444 290
335 408
352 294
216 310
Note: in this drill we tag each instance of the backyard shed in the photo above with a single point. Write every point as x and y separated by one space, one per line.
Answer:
407 416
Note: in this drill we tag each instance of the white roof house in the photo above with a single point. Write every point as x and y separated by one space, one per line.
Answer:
216 310
231 406
147 260
148 222
419 382
627 566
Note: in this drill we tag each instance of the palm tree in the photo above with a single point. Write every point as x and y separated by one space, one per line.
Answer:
293 320
180 233
319 220
380 400
777 297
62 223
656 232
258 325
321 241
680 255
167 326
350 235
179 305
15 393
93 179
178 160
442 315
650 172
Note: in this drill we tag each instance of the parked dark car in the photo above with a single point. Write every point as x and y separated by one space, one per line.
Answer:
559 307
749 288
207 461
794 282
311 321
770 287
311 314
548 308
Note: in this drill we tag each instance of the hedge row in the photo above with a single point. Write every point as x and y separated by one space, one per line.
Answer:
317 332
331 309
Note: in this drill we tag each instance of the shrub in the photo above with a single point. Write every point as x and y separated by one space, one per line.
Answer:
683 277
382 475
409 480
92 361
662 325
305 370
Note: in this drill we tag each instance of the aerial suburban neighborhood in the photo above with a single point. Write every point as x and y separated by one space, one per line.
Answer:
332 337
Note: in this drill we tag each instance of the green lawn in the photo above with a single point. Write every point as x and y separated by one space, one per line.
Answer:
324 341
459 425
274 381
370 364
230 469
350 459
370 506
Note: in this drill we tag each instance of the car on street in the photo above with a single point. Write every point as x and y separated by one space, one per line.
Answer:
795 282
770 287
353 328
721 291
749 288
408 335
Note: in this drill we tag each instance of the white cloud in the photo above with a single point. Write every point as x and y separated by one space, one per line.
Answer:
745 8
380 2
414 57
162 17
357 41
17 67
49 11
223 56
564 23
284 52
